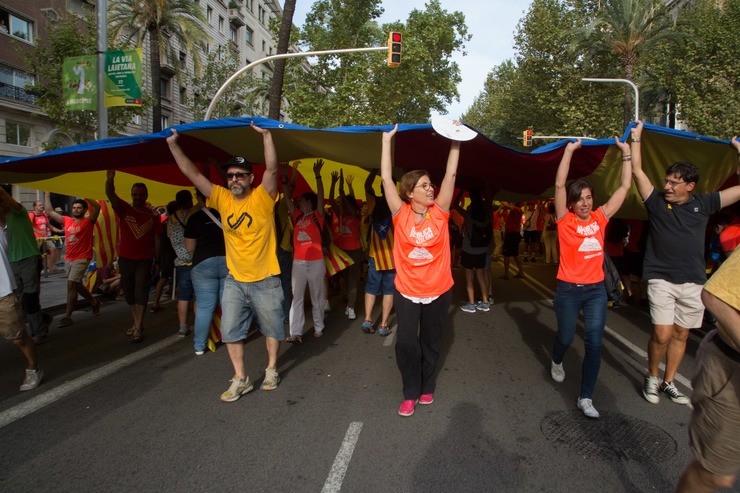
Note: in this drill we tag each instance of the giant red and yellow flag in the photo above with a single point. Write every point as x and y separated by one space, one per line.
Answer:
336 260
106 235
214 333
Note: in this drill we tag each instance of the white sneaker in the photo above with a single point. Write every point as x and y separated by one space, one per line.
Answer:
32 380
588 408
650 389
557 372
327 306
350 312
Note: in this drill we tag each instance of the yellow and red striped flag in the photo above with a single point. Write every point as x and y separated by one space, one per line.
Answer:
106 235
214 334
336 260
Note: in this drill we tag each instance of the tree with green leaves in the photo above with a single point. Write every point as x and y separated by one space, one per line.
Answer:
245 95
132 22
626 29
71 36
358 88
542 89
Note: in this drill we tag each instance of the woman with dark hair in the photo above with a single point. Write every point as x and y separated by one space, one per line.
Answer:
580 286
423 284
475 248
309 269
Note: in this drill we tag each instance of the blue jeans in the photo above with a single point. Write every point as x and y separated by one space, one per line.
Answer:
570 300
244 301
208 281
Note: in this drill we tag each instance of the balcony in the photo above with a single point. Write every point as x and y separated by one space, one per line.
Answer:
236 17
16 94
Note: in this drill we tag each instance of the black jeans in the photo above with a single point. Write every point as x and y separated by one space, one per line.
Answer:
418 341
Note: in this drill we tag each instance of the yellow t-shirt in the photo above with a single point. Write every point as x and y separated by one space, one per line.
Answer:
249 233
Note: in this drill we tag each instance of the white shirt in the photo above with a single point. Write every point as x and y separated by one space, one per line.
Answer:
7 280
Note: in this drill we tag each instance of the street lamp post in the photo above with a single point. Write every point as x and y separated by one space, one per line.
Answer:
622 81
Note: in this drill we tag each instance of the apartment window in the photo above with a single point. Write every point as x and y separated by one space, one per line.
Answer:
16 26
209 14
136 120
261 15
250 5
183 95
165 121
164 87
264 46
17 133
183 59
220 24
250 36
13 83
233 35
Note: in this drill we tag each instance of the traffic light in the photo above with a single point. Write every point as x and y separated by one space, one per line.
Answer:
394 49
527 138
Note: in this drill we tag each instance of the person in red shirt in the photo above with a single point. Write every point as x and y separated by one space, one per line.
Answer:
309 268
42 230
512 238
345 227
78 236
580 286
421 254
138 249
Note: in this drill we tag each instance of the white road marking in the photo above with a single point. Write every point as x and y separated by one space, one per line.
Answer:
334 482
34 404
546 292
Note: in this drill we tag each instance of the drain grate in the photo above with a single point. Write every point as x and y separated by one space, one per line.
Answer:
612 436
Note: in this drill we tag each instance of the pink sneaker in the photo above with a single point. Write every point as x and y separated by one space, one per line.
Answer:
407 407
426 399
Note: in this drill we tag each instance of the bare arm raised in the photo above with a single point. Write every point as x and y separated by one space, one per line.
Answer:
188 168
561 177
386 172
319 187
447 188
50 210
612 205
644 187
270 178
731 195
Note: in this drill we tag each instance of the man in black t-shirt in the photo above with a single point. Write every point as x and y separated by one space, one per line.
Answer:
674 263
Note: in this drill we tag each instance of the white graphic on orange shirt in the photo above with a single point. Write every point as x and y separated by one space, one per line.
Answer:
421 236
590 244
303 236
420 254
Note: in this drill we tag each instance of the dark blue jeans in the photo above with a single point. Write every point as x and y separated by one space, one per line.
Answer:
570 300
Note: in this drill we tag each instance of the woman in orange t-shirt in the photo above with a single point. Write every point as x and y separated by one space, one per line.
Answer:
423 285
580 286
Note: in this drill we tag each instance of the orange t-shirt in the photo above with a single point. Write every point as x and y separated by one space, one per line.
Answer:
582 248
421 252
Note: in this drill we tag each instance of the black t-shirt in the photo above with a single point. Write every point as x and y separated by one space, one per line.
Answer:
675 247
210 238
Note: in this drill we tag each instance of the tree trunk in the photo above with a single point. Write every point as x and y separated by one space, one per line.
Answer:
276 87
155 68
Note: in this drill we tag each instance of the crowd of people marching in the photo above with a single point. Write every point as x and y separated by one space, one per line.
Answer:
260 252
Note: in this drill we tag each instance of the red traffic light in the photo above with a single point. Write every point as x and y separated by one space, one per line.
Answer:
394 49
396 37
529 133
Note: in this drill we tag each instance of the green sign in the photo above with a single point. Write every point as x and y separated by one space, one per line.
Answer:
80 87
123 78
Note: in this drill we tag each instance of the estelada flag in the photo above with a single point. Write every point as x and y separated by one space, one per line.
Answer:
336 260
381 244
106 235
214 333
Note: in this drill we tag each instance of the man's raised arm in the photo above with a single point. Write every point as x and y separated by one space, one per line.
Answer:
188 168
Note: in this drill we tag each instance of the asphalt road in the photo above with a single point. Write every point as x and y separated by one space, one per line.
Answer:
113 416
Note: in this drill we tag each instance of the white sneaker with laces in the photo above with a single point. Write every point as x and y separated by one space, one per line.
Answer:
557 372
327 306
32 379
588 408
350 312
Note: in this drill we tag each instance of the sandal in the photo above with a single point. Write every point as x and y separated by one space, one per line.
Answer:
135 339
64 322
130 331
317 334
294 339
384 331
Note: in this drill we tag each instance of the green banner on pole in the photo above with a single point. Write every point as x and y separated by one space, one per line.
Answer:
123 73
79 81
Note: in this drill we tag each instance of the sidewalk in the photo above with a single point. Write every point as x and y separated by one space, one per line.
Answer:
54 293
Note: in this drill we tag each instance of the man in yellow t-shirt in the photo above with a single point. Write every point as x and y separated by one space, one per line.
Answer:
252 288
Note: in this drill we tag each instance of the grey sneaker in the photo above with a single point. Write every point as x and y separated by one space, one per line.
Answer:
650 389
588 408
669 389
236 389
271 379
556 372
482 306
32 380
183 332
468 307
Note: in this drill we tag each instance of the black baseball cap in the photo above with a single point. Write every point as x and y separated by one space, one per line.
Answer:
237 161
